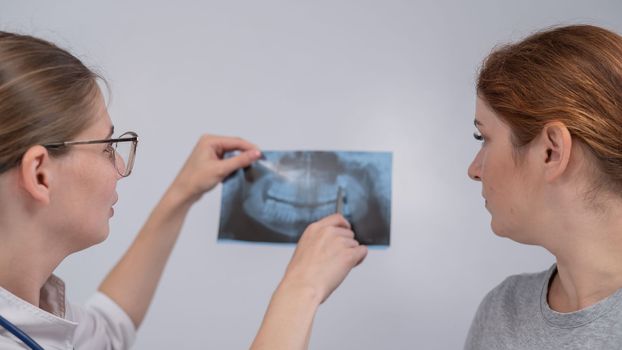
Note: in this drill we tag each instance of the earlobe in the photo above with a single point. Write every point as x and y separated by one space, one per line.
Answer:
558 145
35 174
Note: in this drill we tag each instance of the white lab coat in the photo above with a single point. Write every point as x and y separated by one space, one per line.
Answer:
99 324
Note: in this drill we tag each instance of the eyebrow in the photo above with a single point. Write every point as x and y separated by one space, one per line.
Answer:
476 122
111 132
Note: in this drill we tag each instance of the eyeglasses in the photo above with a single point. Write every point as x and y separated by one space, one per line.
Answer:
122 150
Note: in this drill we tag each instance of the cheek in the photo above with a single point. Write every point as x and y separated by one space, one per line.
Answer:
499 178
98 181
497 168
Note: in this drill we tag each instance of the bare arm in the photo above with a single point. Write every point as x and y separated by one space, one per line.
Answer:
133 281
325 255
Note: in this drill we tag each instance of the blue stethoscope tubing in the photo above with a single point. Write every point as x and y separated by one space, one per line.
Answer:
13 329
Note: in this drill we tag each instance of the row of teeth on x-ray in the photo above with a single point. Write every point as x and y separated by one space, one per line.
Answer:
288 207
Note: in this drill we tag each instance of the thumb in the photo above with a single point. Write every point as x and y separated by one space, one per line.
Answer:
241 160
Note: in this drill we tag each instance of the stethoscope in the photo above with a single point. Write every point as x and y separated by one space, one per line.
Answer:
13 329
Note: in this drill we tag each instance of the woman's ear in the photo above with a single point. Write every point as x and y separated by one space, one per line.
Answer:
35 173
557 145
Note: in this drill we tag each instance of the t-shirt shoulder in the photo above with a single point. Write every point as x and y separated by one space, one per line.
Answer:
516 291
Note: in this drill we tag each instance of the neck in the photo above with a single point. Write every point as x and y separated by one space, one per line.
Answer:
588 246
27 259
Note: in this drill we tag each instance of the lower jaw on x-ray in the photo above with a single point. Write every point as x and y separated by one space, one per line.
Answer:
275 199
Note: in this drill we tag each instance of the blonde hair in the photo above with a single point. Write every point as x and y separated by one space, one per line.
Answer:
46 95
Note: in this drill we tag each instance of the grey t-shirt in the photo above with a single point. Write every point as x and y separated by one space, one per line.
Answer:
516 315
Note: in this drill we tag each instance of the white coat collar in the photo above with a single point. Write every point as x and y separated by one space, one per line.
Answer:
49 329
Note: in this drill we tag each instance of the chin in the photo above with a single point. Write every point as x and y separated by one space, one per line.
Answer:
87 235
104 235
513 234
498 231
99 236
501 229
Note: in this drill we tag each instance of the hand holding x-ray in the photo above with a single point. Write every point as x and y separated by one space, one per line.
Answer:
206 166
325 254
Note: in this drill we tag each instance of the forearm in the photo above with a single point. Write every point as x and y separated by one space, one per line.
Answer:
289 319
133 281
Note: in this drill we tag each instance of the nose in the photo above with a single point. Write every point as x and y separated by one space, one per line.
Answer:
475 168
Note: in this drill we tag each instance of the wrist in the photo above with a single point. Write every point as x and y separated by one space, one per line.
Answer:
289 318
175 201
301 292
181 193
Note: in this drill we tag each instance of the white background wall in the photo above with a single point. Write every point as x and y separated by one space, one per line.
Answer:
335 75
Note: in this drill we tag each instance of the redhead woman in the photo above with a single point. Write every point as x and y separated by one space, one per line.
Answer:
59 166
549 116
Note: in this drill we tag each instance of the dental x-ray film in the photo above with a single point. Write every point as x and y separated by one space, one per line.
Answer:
278 196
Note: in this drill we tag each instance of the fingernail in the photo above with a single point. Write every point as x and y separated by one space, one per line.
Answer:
256 153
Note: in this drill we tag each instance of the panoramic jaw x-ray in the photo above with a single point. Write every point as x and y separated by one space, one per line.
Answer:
278 196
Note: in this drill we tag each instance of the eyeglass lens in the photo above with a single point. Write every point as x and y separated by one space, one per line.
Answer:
124 156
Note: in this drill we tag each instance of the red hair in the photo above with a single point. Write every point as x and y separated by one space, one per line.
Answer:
570 74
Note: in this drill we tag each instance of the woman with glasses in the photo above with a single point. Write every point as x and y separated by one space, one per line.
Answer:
59 165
